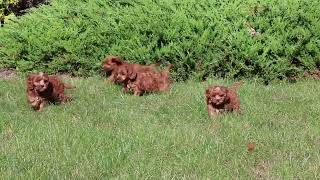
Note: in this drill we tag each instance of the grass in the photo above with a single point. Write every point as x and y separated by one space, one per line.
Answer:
105 133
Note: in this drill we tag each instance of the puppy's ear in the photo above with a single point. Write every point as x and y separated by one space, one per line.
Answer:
227 91
227 95
30 79
132 75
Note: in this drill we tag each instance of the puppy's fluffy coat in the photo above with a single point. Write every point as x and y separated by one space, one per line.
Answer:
135 77
42 88
150 82
114 66
221 98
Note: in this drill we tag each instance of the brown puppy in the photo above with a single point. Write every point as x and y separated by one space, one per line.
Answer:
42 88
221 98
112 63
150 82
125 74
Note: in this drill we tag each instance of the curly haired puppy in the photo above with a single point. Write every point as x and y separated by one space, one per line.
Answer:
112 64
42 88
124 75
147 82
221 98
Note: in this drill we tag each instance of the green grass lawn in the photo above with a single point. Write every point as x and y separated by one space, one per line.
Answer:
105 133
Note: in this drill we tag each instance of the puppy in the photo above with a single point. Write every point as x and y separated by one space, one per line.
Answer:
150 82
221 98
125 74
112 63
42 88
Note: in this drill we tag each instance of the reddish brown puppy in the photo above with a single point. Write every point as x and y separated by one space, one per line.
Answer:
150 82
221 98
124 75
112 63
42 88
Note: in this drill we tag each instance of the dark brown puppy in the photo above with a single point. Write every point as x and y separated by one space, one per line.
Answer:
150 82
221 98
112 64
42 88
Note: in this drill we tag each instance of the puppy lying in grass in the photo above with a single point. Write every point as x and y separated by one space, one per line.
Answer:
42 88
220 99
135 77
149 81
112 64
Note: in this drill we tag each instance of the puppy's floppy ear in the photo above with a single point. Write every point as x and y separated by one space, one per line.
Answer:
132 74
227 95
30 79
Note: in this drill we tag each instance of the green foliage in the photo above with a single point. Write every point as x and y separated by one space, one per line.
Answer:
5 15
200 38
7 3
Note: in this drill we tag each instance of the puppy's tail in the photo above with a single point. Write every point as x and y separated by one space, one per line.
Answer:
236 85
68 86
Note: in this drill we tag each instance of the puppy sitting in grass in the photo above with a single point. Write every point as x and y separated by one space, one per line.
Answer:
42 88
220 99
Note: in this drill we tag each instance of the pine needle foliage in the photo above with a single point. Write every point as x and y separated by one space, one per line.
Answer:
268 39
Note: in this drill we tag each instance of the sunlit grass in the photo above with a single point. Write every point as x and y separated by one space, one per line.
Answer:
105 133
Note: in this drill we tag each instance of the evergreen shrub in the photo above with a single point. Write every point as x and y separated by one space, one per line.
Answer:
268 39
